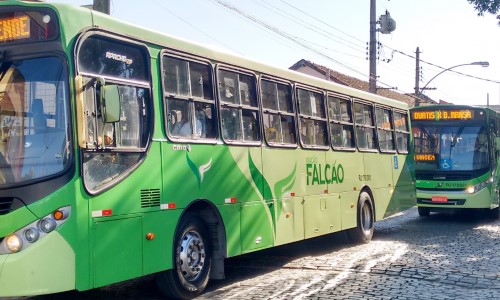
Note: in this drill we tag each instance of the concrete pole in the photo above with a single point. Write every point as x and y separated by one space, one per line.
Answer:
372 79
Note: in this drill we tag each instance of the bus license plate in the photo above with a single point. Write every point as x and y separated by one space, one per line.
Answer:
440 199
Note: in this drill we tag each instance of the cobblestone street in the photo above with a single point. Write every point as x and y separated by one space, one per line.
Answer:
438 257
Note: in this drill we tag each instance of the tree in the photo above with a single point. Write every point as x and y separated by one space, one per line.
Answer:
490 6
482 6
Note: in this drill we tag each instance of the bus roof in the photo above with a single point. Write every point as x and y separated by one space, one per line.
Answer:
86 19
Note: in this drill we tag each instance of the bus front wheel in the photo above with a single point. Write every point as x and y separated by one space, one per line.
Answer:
363 232
423 211
192 261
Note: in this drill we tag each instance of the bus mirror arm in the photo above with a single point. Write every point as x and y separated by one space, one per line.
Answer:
80 111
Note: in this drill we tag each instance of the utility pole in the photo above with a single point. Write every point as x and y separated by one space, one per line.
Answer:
102 6
372 79
417 77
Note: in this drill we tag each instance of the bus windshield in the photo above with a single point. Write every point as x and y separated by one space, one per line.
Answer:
33 119
450 148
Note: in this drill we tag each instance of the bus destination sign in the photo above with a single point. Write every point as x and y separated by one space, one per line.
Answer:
14 28
443 114
425 157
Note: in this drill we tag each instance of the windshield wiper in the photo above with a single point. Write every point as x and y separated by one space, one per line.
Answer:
456 136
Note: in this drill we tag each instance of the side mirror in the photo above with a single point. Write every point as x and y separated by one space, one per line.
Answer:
497 143
110 103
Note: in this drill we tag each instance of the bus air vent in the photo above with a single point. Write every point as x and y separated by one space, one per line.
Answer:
5 205
150 198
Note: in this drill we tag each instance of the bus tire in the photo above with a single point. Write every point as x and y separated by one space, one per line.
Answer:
423 211
363 232
192 261
494 213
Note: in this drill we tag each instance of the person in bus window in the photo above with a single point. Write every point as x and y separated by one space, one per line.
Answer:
481 150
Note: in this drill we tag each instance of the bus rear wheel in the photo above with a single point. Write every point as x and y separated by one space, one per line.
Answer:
192 261
363 232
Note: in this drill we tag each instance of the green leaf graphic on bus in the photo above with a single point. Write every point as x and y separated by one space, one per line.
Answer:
285 185
259 180
199 172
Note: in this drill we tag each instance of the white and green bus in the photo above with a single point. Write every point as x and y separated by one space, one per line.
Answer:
126 152
456 158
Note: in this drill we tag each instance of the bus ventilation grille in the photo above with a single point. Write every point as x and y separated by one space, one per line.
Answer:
150 198
5 205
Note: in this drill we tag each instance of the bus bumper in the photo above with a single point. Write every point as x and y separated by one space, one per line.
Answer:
46 267
481 199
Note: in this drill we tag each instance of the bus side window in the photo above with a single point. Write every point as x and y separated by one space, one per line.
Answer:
188 92
278 113
365 127
313 122
239 108
402 132
341 125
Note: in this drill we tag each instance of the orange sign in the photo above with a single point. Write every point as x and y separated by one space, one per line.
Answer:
14 28
444 114
425 157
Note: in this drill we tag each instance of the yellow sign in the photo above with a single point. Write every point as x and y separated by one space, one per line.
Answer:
14 28
449 114
425 157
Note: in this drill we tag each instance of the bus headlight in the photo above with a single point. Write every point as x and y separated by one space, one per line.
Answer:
35 231
14 243
476 188
47 225
31 234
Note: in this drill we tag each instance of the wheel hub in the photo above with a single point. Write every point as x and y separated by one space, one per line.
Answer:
191 255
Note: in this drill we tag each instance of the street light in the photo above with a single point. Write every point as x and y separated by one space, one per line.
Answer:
476 63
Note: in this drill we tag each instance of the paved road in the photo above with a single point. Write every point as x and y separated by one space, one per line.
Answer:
439 257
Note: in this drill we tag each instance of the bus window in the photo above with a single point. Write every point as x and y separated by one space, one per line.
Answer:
278 116
365 127
385 130
188 99
402 132
113 148
239 109
341 125
34 118
313 125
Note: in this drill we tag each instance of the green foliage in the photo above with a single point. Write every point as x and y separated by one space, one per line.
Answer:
482 6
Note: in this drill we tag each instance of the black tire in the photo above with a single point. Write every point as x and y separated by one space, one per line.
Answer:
363 232
423 211
192 261
493 213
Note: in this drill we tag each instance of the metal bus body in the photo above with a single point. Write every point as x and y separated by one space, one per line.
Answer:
127 152
456 153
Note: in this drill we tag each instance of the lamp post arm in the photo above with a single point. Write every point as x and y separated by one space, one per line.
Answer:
423 89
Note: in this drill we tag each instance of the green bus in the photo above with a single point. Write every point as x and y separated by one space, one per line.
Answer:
456 154
126 152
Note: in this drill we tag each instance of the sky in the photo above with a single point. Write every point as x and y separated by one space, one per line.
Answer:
335 34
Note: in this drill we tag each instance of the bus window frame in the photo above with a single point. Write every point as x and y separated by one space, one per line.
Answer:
191 99
356 125
146 84
220 105
407 132
301 116
340 122
278 111
392 129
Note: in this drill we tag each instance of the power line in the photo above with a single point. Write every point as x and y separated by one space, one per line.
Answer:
284 35
443 68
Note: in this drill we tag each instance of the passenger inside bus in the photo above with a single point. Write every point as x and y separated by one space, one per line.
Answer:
481 150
